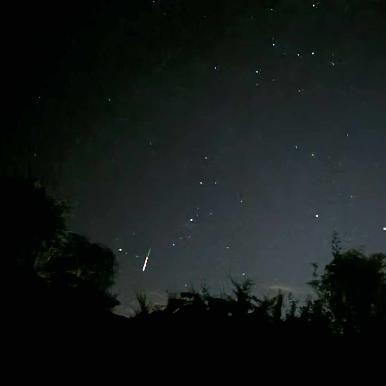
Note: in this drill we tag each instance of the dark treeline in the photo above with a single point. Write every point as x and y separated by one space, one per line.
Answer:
61 278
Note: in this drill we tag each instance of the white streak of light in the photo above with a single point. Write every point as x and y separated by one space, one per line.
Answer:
146 260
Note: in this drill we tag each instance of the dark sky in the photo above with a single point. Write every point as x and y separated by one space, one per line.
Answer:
231 137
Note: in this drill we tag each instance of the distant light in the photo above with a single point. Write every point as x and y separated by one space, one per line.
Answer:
215 182
120 249
206 157
317 215
241 201
191 219
201 182
227 247
384 229
313 155
296 147
273 44
173 244
243 274
313 53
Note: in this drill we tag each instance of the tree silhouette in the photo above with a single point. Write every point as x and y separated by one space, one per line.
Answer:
52 268
352 290
76 263
32 221
62 273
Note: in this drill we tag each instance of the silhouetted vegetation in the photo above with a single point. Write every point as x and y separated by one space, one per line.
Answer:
56 275
59 275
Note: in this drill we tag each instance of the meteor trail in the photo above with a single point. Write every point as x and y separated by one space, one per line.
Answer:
146 259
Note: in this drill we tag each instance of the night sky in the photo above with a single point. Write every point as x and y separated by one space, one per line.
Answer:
230 137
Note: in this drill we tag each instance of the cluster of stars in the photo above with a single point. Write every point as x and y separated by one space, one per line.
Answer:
259 71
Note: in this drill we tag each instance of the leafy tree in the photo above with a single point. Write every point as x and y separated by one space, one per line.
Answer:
352 291
32 221
75 263
49 263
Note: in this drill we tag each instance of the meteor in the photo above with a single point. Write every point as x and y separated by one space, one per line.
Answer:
146 259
